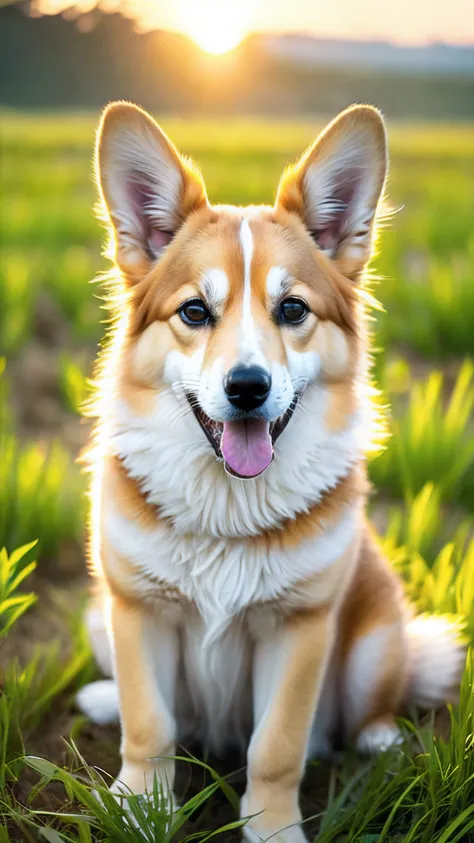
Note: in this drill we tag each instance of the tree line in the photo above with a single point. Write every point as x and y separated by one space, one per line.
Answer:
63 62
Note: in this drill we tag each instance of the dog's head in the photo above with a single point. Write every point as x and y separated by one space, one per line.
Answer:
239 310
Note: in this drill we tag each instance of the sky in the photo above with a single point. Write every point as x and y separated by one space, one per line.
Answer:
222 23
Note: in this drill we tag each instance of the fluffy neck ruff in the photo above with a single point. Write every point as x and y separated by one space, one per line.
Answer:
176 468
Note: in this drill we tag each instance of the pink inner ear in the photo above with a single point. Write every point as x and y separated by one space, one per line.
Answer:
335 209
328 239
158 239
141 197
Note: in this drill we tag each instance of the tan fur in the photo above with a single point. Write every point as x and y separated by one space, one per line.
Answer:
375 599
127 495
321 515
276 768
341 406
148 729
375 595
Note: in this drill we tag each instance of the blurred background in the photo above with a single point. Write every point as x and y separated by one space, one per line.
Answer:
242 87
198 57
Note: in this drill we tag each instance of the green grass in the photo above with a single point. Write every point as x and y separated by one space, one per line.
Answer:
432 310
40 495
50 247
74 384
41 490
432 438
14 603
438 577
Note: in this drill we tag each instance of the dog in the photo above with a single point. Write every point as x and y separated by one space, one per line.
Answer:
241 596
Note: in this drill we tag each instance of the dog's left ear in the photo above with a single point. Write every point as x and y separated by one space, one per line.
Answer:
336 186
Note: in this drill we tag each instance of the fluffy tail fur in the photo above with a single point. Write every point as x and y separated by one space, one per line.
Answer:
437 656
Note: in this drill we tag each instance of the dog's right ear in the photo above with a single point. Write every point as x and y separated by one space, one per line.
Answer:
147 187
336 186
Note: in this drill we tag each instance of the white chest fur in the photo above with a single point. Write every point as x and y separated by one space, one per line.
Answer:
224 576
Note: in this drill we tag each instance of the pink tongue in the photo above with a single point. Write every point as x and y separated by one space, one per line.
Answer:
247 446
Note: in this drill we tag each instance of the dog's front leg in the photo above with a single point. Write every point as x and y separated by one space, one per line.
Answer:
288 671
146 657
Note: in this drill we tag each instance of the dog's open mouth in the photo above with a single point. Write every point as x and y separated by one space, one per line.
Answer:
245 445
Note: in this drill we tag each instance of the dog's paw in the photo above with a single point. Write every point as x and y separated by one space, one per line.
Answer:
277 826
286 835
99 701
139 779
167 804
378 737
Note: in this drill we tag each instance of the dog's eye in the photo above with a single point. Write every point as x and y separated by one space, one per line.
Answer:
293 310
194 312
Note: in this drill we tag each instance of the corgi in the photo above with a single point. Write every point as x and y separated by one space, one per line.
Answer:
241 597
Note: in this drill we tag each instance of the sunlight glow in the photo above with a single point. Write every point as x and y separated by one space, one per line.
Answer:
215 25
219 25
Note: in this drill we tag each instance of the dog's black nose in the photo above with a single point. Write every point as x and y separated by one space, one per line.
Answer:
247 387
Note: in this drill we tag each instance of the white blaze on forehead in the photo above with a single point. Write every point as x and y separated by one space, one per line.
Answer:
246 242
249 335
278 280
215 286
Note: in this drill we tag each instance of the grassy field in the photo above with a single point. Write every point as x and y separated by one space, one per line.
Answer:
51 322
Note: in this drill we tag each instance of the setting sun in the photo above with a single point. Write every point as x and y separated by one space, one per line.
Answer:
216 27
